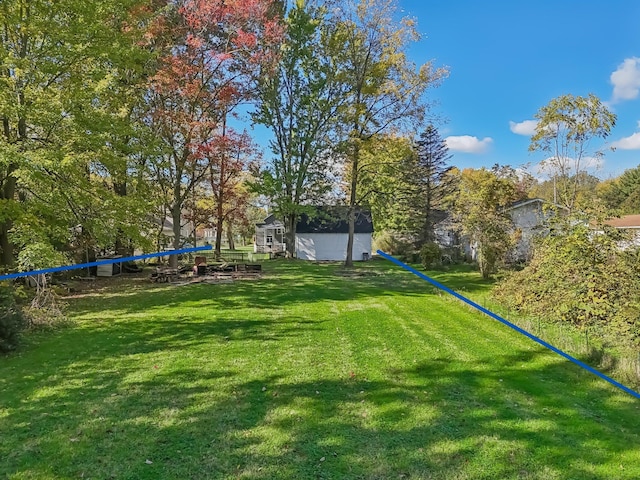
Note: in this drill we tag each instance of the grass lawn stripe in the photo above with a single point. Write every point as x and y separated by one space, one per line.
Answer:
176 376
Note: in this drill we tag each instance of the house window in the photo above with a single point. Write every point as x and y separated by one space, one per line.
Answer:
269 239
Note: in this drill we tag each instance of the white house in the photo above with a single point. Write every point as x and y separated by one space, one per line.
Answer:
324 235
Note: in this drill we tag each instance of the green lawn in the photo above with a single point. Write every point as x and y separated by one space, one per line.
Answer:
304 374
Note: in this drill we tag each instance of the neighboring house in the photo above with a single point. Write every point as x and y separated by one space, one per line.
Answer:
269 236
626 222
629 223
186 230
444 229
207 235
530 219
324 235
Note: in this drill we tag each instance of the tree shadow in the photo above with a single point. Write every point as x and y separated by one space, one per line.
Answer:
105 406
284 283
474 422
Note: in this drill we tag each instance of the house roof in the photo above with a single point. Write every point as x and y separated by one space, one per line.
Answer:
626 221
438 216
333 219
528 201
270 220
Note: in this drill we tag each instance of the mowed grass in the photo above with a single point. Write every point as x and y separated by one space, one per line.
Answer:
305 373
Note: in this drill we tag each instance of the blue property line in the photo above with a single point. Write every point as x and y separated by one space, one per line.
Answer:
103 262
509 324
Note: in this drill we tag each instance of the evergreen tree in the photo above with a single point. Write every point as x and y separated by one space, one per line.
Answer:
432 182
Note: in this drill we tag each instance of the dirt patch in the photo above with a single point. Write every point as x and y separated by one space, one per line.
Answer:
353 273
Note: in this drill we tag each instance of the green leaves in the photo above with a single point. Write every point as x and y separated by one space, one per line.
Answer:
583 277
480 210
565 128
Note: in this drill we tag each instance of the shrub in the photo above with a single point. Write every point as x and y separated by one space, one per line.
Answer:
582 278
431 255
11 319
395 244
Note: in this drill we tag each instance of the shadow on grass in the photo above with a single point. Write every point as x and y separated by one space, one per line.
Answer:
285 283
106 407
474 423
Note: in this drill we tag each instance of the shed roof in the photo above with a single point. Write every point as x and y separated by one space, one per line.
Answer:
333 219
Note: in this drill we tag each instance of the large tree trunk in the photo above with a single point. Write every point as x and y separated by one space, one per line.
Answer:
7 258
352 224
290 234
352 206
219 227
122 244
8 193
176 212
232 244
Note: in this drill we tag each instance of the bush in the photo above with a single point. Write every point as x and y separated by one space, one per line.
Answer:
431 255
395 244
11 319
582 278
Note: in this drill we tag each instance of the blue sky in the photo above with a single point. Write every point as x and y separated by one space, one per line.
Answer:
508 58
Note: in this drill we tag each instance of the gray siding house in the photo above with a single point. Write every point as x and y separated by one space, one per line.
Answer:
269 237
530 218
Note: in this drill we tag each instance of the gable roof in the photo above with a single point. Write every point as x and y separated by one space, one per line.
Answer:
333 219
529 201
270 220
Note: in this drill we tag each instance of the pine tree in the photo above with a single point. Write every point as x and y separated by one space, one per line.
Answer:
431 181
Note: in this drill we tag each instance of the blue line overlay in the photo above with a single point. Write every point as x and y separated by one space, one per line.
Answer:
103 262
509 324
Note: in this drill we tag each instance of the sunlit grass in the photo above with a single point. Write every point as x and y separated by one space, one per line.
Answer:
310 372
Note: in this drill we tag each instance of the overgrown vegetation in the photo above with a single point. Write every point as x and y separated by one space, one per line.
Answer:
583 277
431 255
11 319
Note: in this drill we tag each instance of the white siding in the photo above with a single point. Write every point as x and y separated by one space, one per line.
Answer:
331 246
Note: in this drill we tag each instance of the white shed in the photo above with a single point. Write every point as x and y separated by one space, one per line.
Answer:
324 235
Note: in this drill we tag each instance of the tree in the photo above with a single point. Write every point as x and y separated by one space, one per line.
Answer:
432 182
565 128
480 211
385 88
231 154
385 168
211 51
300 102
622 194
61 96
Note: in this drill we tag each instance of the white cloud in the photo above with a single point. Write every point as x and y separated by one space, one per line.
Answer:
468 144
626 80
546 168
631 142
528 127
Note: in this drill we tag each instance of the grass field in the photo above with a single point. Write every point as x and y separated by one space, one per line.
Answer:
305 374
